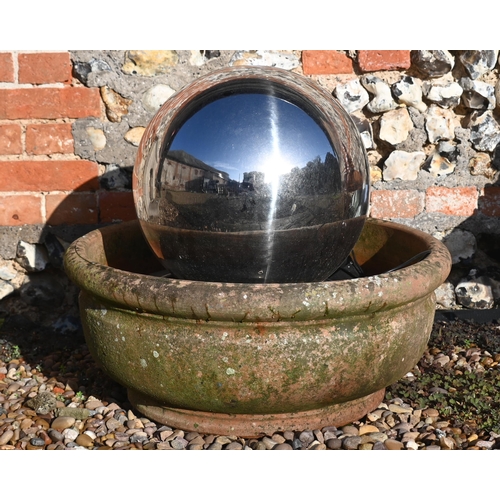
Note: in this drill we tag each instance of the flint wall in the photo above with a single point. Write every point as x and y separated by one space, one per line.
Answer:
70 123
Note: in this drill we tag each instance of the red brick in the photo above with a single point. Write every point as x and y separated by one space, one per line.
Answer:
489 201
116 205
16 210
404 204
10 139
50 175
377 60
6 67
46 139
44 67
325 62
451 201
74 208
51 103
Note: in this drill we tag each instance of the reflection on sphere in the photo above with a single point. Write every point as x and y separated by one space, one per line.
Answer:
251 175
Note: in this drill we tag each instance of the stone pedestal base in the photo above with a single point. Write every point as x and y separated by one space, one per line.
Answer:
250 426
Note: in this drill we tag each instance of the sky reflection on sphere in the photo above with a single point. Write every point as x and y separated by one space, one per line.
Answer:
251 175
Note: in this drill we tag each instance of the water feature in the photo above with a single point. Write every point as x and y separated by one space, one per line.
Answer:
223 319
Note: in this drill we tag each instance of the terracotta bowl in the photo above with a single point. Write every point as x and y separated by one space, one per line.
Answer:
252 359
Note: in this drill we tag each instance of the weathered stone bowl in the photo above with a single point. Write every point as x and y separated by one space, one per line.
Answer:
250 359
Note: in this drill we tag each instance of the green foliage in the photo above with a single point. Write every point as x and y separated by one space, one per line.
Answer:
16 351
469 397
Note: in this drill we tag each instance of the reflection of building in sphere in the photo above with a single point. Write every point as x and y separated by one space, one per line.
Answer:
251 174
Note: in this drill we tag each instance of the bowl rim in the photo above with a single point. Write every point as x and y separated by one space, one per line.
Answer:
249 302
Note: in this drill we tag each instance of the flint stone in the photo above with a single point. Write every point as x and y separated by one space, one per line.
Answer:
438 165
497 92
382 99
5 289
443 160
33 257
55 250
134 135
210 54
42 291
149 62
277 59
408 91
7 270
481 165
97 138
352 96
475 292
67 324
99 65
432 63
478 62
365 131
116 105
439 124
477 95
196 58
81 70
116 177
156 96
403 165
461 244
446 96
395 126
484 131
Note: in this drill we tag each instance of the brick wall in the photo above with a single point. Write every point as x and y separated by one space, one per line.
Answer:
45 182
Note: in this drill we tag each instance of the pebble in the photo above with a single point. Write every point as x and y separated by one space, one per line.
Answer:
177 444
62 423
283 446
306 437
365 429
334 444
411 445
351 442
269 443
392 444
84 440
70 434
484 444
350 430
6 436
234 445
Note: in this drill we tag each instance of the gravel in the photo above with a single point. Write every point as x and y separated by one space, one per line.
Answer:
52 396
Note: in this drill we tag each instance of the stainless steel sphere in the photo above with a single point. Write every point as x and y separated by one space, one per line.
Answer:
251 175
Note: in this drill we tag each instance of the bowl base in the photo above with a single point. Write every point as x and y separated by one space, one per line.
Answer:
253 426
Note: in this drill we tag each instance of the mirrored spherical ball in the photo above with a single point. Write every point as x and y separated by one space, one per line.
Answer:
251 175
